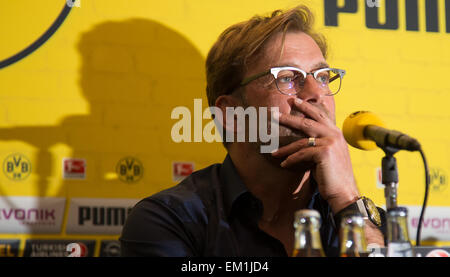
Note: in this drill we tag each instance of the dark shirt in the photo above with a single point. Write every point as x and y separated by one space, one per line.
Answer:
210 213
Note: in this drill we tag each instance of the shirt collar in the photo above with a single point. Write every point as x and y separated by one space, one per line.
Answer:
233 187
232 184
315 195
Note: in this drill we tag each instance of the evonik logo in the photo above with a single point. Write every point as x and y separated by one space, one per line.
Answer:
33 215
438 224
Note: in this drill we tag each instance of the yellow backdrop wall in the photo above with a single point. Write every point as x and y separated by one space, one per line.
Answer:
99 93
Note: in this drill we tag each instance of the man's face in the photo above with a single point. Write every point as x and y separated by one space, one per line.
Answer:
300 51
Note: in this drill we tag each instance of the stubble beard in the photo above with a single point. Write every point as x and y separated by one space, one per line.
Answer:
286 135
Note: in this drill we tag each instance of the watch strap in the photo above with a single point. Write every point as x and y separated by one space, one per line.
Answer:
362 206
355 207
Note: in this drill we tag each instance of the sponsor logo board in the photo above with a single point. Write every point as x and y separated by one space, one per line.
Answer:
9 248
59 248
421 251
439 253
435 226
181 170
31 215
110 248
74 168
98 215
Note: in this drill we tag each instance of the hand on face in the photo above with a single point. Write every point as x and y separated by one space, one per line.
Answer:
329 158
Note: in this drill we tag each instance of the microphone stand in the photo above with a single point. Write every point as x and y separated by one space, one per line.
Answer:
390 180
389 176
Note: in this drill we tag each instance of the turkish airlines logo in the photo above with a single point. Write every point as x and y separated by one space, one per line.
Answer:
59 248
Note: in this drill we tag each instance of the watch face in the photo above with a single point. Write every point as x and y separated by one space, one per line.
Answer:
372 211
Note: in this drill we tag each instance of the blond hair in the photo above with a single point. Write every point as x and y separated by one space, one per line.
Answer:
227 59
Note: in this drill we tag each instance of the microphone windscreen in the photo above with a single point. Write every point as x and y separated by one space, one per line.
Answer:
353 129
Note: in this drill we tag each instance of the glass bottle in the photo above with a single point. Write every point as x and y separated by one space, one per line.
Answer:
399 244
352 237
307 235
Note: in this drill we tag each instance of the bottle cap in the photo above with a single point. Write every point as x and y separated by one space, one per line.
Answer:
398 211
352 218
307 213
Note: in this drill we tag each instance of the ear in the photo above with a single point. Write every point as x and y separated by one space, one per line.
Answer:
223 102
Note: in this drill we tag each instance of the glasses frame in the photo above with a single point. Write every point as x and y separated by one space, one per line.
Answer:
275 70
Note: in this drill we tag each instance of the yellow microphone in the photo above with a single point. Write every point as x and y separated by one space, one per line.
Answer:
364 130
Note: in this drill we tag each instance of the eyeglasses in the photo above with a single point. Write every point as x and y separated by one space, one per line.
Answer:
291 80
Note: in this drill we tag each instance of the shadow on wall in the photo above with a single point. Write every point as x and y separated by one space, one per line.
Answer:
133 73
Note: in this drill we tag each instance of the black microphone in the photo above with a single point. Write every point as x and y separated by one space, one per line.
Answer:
364 130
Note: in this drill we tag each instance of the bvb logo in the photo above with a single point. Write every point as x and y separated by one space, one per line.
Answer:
438 179
17 167
130 170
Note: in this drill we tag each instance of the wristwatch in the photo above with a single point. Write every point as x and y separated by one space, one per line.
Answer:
365 207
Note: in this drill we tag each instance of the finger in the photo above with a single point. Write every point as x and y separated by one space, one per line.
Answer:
308 126
305 155
295 146
318 114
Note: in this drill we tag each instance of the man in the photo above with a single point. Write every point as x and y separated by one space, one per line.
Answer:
246 206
